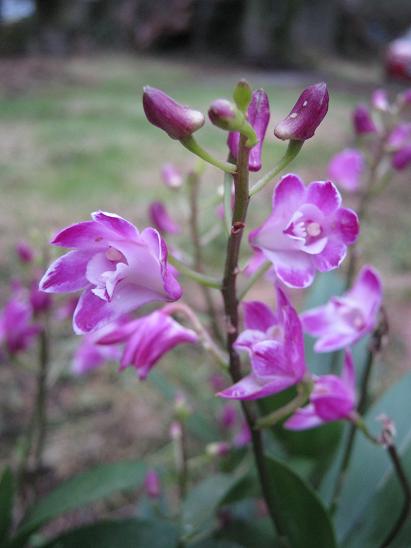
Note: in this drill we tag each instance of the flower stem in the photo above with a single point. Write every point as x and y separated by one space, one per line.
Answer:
42 397
279 414
198 277
254 278
231 312
192 145
293 149
406 507
228 183
193 185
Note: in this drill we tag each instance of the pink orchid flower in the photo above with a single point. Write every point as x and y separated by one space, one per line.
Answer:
308 230
147 339
161 219
258 115
17 332
346 168
346 319
332 399
119 269
274 342
399 142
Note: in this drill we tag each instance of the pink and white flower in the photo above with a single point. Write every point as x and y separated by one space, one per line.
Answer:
346 169
346 319
332 399
147 339
118 268
274 342
307 231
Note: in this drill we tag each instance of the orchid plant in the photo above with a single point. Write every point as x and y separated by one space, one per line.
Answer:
275 485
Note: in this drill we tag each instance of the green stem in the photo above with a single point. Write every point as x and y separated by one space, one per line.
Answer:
192 145
198 277
406 507
253 279
279 414
194 187
229 294
41 404
293 149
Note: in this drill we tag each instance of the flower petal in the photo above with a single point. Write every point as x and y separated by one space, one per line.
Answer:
87 234
331 256
288 196
347 225
294 268
115 223
251 388
318 321
258 316
303 419
367 292
248 338
66 274
336 341
324 195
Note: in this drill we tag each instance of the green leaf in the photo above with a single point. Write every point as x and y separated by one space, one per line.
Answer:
369 464
88 487
250 533
127 533
203 500
301 513
6 503
382 512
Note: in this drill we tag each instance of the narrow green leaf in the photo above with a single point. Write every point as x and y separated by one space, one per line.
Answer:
302 515
369 464
6 503
88 487
127 533
382 512
202 502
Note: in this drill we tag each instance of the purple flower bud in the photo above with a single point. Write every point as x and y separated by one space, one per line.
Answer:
177 120
402 158
152 484
228 417
171 176
160 218
176 431
362 121
379 100
258 115
39 300
225 115
24 252
306 115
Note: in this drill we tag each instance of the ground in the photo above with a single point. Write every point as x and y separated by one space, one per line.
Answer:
74 139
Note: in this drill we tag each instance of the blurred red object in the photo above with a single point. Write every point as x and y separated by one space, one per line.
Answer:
398 57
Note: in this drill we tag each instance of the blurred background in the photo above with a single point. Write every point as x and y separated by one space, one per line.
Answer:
74 139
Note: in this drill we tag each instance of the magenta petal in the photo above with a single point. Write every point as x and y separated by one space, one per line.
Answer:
288 195
336 341
324 195
115 223
87 234
303 419
268 360
367 292
233 142
401 158
258 316
347 225
294 268
317 321
119 333
333 400
331 257
66 274
348 372
248 338
251 388
161 219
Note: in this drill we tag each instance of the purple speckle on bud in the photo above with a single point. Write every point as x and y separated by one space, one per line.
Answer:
306 115
362 121
177 120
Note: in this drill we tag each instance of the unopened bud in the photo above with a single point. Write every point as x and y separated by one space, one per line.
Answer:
176 431
177 120
242 95
152 484
25 252
306 115
218 449
226 115
362 121
379 100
